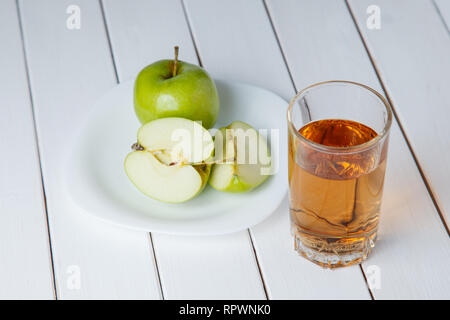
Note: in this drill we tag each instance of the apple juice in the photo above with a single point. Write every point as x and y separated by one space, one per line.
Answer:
335 197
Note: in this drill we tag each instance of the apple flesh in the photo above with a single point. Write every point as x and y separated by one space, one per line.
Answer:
190 93
170 161
162 182
249 156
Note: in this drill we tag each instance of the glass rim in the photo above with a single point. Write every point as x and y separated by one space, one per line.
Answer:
358 147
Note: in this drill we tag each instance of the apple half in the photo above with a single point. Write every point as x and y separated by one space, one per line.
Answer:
170 161
242 159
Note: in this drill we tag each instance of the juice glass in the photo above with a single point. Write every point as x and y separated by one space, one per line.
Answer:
338 141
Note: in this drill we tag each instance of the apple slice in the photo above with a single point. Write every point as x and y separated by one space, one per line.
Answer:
250 159
162 182
170 161
181 140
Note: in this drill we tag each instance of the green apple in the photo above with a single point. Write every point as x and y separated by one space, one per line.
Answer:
172 88
170 161
242 159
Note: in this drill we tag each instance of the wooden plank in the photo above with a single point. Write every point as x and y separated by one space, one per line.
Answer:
443 7
235 41
321 42
190 267
25 267
413 62
69 69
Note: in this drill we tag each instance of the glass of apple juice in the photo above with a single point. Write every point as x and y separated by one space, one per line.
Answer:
338 140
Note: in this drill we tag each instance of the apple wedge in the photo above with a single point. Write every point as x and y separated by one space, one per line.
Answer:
170 161
249 156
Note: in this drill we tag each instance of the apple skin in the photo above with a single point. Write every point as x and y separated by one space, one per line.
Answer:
191 94
204 171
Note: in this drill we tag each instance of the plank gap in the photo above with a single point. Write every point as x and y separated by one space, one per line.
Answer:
191 33
108 37
258 264
155 261
255 255
105 23
296 90
447 27
27 71
367 283
280 47
283 55
402 130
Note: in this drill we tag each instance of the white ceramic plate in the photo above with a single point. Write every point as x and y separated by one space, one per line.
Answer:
97 183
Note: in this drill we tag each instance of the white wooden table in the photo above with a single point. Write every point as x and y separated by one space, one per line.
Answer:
51 70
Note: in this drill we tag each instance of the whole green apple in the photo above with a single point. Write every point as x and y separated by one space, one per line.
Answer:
173 88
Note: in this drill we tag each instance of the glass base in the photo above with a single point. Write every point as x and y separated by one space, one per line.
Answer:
334 252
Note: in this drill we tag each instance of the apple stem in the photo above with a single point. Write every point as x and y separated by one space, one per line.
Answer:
174 71
137 147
